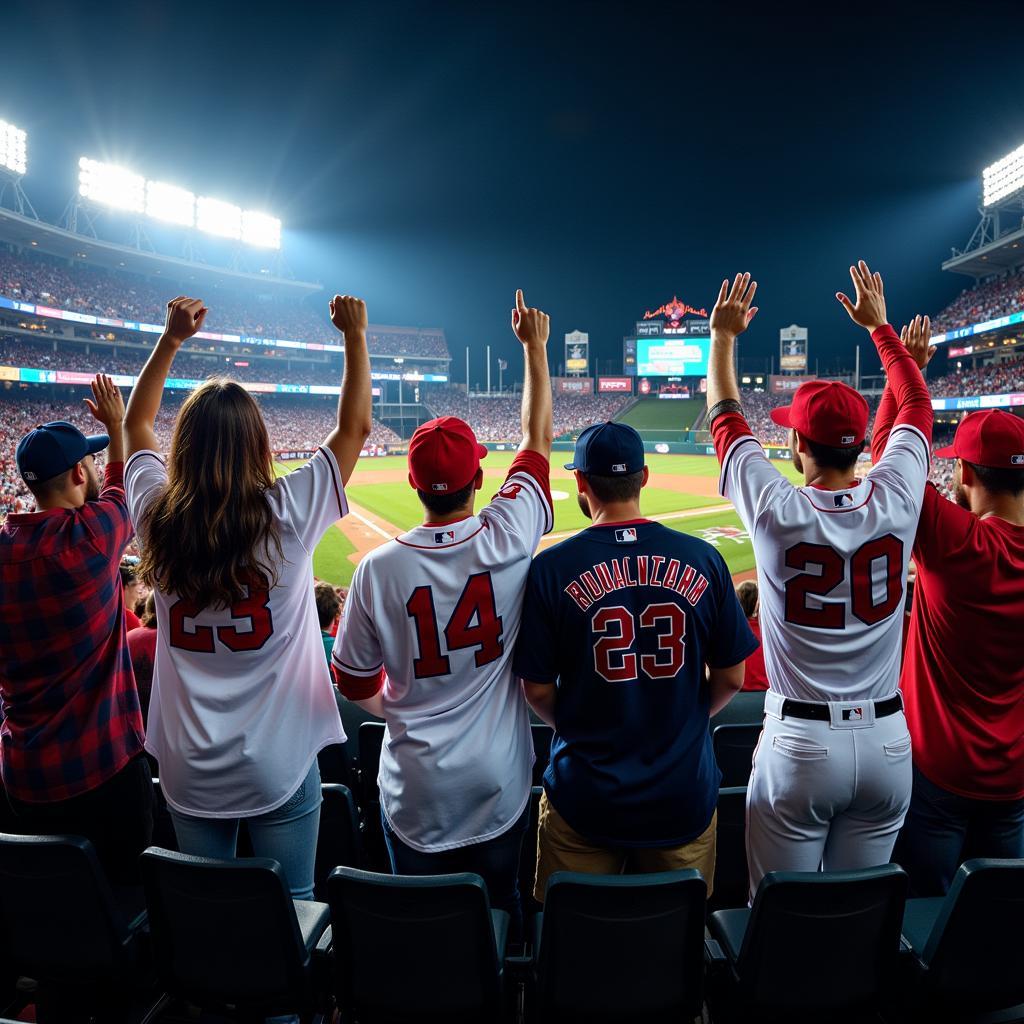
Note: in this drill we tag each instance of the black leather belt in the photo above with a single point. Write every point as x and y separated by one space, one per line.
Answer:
820 712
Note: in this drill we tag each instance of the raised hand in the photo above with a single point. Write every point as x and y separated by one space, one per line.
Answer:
106 404
869 309
185 317
530 325
916 336
348 313
732 313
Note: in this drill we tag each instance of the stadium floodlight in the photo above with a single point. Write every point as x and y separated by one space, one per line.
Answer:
170 203
13 148
111 185
260 229
216 217
1003 178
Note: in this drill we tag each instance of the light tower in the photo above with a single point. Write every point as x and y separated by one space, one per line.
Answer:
13 166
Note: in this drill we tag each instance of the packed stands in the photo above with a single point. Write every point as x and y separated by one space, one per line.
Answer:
990 379
43 280
986 302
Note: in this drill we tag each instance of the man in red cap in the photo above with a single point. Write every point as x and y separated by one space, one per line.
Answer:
426 643
831 777
963 675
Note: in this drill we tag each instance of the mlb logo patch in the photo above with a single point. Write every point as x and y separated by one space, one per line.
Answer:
444 536
439 487
627 535
842 500
846 439
853 714
618 467
1017 460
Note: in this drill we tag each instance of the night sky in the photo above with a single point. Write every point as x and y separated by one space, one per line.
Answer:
433 157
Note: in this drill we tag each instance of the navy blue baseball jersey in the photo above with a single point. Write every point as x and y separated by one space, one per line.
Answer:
624 619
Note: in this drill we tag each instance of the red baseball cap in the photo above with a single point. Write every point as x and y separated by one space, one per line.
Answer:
444 455
991 438
827 412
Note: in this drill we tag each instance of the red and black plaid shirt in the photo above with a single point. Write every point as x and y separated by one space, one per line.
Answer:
71 716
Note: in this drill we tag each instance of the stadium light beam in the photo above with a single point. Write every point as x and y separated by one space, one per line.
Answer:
170 203
1003 178
216 217
111 185
261 230
13 148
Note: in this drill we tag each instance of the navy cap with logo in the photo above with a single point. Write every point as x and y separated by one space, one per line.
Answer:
53 448
608 449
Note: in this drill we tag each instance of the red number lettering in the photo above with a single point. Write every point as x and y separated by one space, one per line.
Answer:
199 639
614 657
255 608
475 622
617 644
891 549
670 642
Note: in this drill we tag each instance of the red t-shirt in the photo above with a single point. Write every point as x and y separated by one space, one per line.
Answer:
131 620
754 676
963 675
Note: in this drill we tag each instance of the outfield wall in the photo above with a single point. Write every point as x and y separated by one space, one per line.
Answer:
650 447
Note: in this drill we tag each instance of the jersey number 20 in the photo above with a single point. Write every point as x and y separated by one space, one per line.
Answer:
475 603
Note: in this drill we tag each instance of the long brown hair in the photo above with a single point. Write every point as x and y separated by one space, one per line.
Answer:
210 532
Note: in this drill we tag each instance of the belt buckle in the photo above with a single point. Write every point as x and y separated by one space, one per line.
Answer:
853 714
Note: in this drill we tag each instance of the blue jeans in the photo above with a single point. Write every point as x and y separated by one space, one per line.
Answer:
286 834
942 830
496 861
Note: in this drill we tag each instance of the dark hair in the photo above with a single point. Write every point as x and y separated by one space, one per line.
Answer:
445 502
148 616
747 594
328 604
42 489
611 490
999 480
828 457
128 574
209 532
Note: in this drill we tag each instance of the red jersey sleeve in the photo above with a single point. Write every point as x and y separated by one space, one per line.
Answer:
910 393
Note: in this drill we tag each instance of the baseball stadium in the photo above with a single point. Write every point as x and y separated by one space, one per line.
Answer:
340 682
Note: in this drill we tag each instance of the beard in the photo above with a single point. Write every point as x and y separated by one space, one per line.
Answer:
581 500
92 487
960 495
794 454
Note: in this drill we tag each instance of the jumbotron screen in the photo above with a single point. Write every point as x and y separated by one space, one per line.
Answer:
668 356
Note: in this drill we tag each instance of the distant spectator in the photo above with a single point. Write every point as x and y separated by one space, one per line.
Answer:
755 677
328 610
142 647
134 592
71 744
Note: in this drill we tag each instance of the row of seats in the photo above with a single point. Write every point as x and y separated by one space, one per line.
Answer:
225 936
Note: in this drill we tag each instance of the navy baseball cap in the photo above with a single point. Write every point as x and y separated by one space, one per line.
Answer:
53 448
608 449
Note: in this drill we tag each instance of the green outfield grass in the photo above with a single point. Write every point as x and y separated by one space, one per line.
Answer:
397 503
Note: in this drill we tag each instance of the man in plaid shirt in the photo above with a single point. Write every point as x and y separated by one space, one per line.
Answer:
71 739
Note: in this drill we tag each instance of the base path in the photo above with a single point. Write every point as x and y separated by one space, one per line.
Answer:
365 531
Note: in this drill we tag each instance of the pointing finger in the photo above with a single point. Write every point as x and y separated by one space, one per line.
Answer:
520 301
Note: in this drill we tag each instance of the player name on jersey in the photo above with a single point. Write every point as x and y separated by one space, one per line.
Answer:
637 571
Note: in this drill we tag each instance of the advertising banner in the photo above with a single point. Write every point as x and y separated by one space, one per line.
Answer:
577 352
607 385
574 385
779 385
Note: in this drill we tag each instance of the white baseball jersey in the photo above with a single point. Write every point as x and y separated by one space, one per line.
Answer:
438 610
831 565
242 699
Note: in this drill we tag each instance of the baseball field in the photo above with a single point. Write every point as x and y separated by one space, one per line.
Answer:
682 494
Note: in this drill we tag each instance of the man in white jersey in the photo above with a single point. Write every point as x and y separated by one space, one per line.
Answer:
832 772
427 639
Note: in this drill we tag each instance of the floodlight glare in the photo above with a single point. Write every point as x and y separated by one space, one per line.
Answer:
170 203
218 218
111 185
13 148
1003 178
261 229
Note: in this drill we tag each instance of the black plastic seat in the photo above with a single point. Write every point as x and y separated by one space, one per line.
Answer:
416 948
970 943
62 925
338 841
621 947
734 751
813 942
227 935
371 740
732 882
542 737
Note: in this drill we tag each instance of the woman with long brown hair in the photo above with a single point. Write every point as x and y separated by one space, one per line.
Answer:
242 699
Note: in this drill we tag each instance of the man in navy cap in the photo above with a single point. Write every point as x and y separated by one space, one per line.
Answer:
632 637
71 743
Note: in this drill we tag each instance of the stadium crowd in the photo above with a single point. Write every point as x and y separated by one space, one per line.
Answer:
990 379
46 281
985 302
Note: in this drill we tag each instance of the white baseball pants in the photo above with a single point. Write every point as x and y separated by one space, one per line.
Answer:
826 795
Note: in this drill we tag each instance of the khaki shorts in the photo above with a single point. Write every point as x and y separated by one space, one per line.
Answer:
560 848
